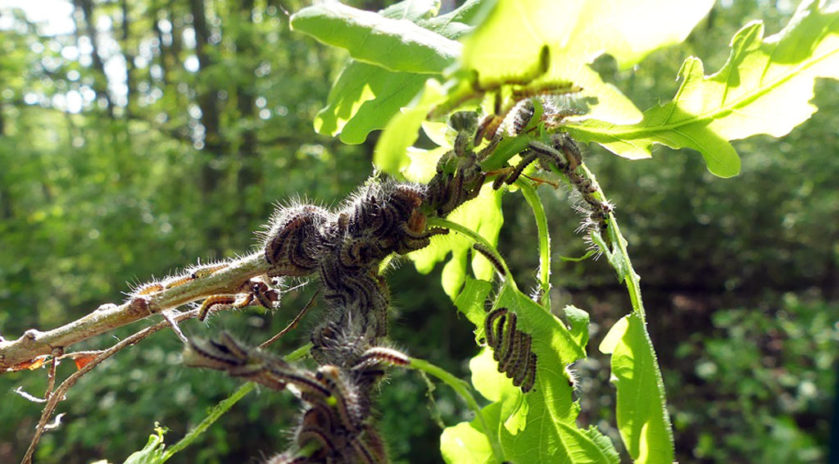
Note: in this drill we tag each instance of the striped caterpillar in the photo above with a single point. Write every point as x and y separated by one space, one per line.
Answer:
511 348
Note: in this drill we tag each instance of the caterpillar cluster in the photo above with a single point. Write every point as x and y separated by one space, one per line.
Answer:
595 212
563 154
336 415
253 291
345 248
511 348
557 100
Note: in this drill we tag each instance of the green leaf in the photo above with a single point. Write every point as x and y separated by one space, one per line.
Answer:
412 10
363 99
390 154
763 88
578 319
465 443
576 33
366 96
394 44
539 426
152 453
642 419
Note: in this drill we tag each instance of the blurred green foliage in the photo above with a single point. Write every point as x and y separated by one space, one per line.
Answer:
102 186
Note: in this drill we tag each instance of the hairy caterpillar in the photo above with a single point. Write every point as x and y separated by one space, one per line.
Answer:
381 355
490 255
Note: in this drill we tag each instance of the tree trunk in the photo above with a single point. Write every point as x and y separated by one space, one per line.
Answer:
100 79
248 174
214 144
130 81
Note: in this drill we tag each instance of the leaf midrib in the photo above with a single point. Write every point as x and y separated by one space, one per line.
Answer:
706 118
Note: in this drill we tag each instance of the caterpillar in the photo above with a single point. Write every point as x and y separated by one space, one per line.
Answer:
491 256
511 348
381 355
149 289
200 272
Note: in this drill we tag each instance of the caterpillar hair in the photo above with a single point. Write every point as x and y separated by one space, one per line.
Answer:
527 157
530 376
345 397
149 289
293 241
199 272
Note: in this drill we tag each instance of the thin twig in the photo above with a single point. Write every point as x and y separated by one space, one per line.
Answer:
56 355
81 354
293 323
59 392
167 315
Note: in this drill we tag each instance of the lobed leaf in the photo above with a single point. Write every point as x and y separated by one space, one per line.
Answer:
363 99
390 154
763 88
366 96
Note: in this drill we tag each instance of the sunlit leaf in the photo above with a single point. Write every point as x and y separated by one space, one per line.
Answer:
764 88
152 453
576 32
364 97
642 419
402 131
578 319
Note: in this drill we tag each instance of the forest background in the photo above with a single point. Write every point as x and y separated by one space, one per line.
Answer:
147 135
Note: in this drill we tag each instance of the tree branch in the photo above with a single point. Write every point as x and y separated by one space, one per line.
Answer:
109 316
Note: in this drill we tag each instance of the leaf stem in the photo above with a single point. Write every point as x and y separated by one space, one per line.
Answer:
544 240
216 412
463 389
